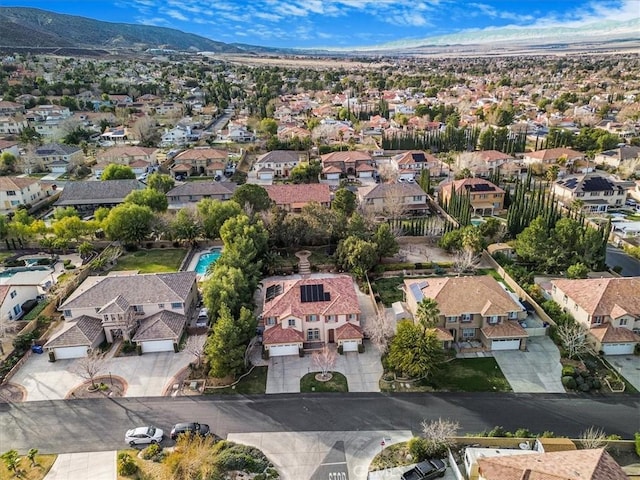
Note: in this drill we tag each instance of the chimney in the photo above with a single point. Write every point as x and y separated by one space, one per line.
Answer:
526 474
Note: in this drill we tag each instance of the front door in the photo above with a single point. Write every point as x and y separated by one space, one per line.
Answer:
332 336
453 332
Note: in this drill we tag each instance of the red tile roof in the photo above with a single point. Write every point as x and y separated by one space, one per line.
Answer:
348 331
610 334
469 183
304 193
603 296
347 156
201 154
508 329
277 334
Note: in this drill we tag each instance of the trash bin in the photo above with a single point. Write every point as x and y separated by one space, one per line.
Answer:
37 349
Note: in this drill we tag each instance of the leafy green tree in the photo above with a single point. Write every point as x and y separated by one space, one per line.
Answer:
577 270
386 243
116 171
8 163
213 214
160 182
85 249
255 196
306 173
224 349
129 223
101 214
225 285
532 243
70 228
61 212
149 197
11 460
356 255
358 227
184 226
240 228
414 352
268 126
31 455
451 241
344 201
4 226
428 313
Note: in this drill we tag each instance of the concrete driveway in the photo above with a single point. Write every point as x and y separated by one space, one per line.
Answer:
146 375
362 370
538 370
94 465
628 366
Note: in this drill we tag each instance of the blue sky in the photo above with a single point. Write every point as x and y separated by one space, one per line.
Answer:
342 23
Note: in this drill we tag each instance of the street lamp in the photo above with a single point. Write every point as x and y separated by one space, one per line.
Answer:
110 378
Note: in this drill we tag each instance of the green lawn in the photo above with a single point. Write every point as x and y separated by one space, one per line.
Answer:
388 289
157 260
471 375
254 383
338 383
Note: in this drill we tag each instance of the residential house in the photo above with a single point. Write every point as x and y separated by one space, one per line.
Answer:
11 146
609 308
87 196
624 157
10 108
150 310
597 191
169 108
238 134
12 125
179 135
293 197
494 159
346 161
200 160
306 313
278 163
485 197
19 284
474 308
289 133
588 464
140 159
394 199
410 164
58 157
119 134
16 191
192 192
552 156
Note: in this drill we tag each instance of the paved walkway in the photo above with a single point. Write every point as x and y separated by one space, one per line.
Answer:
538 370
362 370
146 375
88 465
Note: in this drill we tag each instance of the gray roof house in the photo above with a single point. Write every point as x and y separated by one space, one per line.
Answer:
57 154
394 199
149 309
87 196
192 192
76 338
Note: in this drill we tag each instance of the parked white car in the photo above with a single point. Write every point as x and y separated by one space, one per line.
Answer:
143 435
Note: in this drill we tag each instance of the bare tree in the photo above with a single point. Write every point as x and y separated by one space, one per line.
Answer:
144 129
465 260
593 437
89 367
573 337
380 329
394 206
440 432
324 360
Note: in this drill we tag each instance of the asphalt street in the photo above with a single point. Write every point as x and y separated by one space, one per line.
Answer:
97 425
616 257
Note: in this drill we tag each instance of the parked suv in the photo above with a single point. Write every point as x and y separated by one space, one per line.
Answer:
203 317
191 428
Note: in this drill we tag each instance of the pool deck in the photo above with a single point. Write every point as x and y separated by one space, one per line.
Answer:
196 258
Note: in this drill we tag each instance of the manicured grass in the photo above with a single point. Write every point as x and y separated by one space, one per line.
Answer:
388 289
157 260
338 383
42 467
471 375
254 383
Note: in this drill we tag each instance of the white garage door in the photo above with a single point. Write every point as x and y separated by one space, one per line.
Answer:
350 346
282 350
505 344
157 346
618 348
64 353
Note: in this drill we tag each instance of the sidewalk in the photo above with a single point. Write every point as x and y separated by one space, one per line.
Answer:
89 465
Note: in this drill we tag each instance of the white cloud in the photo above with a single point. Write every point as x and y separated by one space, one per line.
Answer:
175 14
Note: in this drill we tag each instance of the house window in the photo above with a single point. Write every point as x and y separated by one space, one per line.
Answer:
452 319
554 289
161 305
271 320
16 310
176 305
331 318
417 198
312 318
466 317
493 320
292 322
468 332
513 315
623 322
67 313
313 334
11 193
580 194
13 294
575 306
138 309
351 316
565 298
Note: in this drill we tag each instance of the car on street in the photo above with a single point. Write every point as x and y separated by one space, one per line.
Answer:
143 435
190 428
427 470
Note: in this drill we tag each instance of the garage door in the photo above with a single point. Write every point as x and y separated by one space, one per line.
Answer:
618 348
505 344
350 346
282 350
64 353
157 346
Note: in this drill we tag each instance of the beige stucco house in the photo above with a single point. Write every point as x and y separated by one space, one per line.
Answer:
597 191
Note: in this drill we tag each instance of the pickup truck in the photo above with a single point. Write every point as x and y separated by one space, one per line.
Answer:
426 470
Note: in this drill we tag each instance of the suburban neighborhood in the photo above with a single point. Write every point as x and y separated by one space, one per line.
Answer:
190 227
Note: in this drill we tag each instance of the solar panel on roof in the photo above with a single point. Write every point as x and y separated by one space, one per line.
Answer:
417 291
273 291
418 157
313 293
596 184
482 187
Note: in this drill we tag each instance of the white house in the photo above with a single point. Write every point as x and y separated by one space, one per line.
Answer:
16 191
17 285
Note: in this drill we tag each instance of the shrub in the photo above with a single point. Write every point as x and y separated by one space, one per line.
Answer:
585 373
584 387
361 348
70 267
240 457
548 434
637 441
66 262
152 452
569 382
340 349
417 447
591 365
126 465
597 384
579 379
522 433
497 432
568 371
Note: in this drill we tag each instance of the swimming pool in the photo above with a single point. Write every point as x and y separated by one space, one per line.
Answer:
205 259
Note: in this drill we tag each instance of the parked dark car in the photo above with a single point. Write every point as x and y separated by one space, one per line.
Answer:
191 428
427 470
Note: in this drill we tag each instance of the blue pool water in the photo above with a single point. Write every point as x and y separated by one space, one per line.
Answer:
206 259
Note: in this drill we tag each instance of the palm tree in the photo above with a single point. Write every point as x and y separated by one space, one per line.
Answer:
428 313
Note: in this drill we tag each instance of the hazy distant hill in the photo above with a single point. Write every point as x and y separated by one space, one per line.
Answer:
31 27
